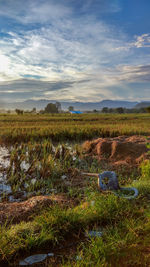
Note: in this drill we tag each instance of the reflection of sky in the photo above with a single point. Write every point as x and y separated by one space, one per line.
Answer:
85 50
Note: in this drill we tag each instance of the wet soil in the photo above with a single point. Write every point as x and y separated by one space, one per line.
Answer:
25 210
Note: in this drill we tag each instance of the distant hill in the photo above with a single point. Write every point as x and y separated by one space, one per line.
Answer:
83 106
142 105
117 104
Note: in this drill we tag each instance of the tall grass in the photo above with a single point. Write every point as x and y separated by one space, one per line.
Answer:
23 128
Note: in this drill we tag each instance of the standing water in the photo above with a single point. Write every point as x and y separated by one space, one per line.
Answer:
4 163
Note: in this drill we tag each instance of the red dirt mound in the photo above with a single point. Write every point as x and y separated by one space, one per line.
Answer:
119 151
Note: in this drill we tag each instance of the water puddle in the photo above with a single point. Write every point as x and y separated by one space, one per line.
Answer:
6 193
4 157
5 189
21 176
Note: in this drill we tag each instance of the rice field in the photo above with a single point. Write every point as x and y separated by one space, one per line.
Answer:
41 155
61 127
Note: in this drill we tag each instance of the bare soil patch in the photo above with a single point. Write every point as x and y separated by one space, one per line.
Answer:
24 211
123 151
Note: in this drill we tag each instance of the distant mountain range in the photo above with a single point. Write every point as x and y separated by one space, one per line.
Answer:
143 104
83 106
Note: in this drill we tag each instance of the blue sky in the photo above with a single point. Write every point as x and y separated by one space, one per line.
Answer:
74 50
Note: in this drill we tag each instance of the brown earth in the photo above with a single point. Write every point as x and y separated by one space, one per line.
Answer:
24 211
123 151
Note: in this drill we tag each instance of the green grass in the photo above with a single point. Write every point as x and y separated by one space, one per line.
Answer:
120 246
125 223
55 223
125 242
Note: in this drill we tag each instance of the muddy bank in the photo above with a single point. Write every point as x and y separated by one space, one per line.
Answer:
17 212
122 151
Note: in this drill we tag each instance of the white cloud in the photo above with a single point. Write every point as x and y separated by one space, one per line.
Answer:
68 49
132 73
46 11
30 11
65 48
140 41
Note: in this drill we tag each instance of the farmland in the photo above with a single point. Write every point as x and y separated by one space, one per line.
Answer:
60 127
55 204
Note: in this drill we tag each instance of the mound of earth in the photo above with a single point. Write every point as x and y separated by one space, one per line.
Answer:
122 151
24 211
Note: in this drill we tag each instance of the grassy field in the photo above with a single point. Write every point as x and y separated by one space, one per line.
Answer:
60 127
50 147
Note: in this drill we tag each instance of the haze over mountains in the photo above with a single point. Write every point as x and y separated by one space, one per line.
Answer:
83 106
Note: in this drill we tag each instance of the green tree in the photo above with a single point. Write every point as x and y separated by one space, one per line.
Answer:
33 110
19 111
120 110
51 108
105 110
71 108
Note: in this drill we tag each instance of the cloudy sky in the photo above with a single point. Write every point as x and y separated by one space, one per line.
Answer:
76 50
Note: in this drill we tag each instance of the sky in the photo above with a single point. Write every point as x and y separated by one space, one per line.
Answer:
74 50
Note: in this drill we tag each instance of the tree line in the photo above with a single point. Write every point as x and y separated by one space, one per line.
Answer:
50 108
122 110
56 108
